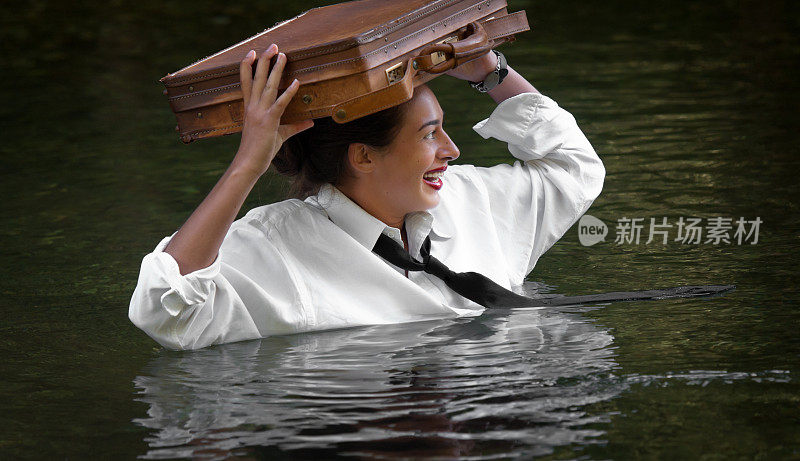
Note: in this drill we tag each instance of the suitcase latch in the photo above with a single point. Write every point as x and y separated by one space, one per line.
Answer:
395 73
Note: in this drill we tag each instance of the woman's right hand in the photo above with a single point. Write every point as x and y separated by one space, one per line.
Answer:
263 134
198 241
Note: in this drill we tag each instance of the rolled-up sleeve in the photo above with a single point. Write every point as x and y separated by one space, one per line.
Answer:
535 201
248 292
188 311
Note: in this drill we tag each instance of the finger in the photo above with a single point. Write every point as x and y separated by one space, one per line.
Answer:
291 129
283 100
271 90
261 71
246 75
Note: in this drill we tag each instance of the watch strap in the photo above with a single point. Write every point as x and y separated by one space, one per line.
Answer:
495 77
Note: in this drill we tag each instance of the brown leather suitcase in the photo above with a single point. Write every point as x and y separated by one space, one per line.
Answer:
352 59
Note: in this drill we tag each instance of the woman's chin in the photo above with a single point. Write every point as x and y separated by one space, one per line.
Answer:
427 199
431 198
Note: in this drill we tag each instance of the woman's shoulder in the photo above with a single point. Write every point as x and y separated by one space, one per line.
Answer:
462 184
278 215
463 176
460 170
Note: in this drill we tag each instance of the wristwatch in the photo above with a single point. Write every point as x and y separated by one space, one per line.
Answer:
495 77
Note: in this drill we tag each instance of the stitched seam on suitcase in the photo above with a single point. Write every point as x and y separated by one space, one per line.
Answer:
510 32
200 93
401 24
211 130
201 77
314 113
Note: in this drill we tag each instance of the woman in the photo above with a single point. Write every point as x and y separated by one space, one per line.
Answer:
297 266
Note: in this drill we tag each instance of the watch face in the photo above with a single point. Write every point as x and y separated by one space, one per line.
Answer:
492 80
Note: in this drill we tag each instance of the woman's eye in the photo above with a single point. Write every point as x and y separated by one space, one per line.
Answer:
430 135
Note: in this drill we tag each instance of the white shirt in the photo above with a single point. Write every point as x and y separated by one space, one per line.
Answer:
297 266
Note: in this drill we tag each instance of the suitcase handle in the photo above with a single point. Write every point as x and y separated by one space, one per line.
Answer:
474 45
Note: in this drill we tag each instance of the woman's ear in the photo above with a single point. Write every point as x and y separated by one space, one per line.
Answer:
360 158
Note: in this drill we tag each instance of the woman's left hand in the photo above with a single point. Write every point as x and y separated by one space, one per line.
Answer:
475 70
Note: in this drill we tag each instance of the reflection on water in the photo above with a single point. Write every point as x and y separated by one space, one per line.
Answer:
513 382
506 384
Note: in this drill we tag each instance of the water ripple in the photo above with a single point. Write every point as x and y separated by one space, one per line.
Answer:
443 384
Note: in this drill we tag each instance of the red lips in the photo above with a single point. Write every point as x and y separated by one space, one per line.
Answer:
433 177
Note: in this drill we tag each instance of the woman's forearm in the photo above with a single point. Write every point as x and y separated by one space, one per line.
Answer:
477 70
512 85
197 242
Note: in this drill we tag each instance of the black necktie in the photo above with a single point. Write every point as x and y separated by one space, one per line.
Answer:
482 290
471 285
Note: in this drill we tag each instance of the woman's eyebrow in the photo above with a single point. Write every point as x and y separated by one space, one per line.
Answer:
429 123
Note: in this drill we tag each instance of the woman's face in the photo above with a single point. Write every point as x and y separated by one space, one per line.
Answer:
410 173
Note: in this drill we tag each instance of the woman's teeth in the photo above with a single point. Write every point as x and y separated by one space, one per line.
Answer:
433 179
432 175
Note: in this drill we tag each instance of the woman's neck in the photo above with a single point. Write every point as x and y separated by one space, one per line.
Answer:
368 201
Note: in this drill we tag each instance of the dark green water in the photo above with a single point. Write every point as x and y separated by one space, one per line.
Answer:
693 107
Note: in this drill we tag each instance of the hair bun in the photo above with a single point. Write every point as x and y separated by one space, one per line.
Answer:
289 159
318 155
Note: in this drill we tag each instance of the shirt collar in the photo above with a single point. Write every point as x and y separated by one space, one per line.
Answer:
365 228
440 228
418 226
350 217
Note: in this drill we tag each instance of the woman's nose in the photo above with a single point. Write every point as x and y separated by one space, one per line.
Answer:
448 150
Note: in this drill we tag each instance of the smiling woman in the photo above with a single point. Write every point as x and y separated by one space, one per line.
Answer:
305 265
408 172
402 151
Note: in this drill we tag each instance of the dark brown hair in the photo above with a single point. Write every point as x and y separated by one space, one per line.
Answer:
319 155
